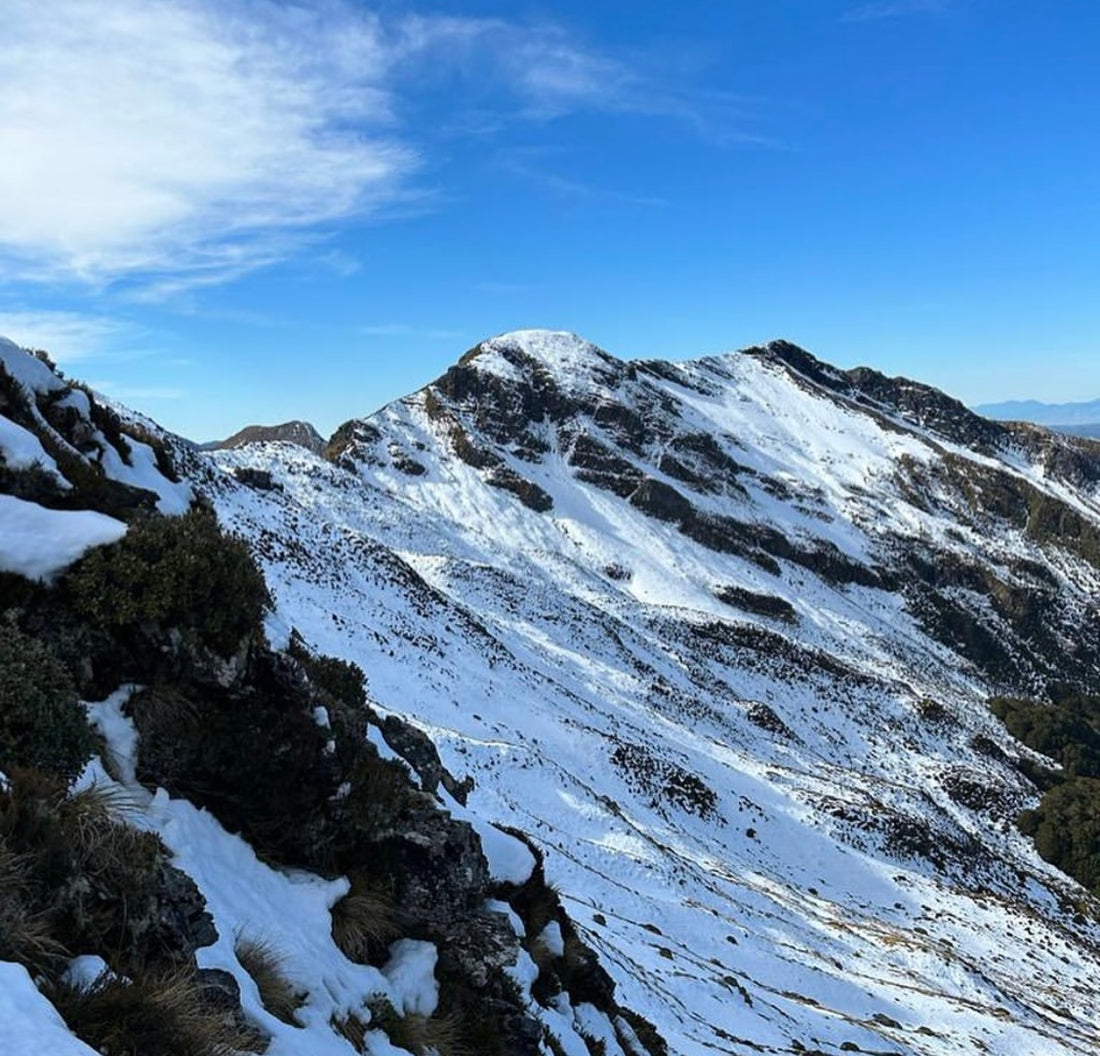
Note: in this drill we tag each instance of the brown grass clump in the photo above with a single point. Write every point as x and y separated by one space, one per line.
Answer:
78 870
266 966
441 1035
364 921
25 934
159 1014
352 1028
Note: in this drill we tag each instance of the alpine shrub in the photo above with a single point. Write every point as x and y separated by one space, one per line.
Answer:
176 572
41 723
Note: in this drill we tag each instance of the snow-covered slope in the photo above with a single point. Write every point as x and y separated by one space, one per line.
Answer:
53 435
718 636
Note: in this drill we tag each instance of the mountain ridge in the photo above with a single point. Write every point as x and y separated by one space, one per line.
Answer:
719 637
607 520
295 431
1054 415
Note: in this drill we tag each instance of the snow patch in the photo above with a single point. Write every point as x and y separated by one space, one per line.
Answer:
21 449
119 733
38 543
83 971
411 974
28 369
29 1024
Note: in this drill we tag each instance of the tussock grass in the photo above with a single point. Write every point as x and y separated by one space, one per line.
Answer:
25 934
163 706
78 878
352 1028
364 921
267 967
439 1035
159 1014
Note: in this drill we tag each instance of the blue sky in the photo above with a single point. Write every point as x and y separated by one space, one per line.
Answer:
229 211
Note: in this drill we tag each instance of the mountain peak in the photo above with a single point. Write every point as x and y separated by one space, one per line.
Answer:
563 353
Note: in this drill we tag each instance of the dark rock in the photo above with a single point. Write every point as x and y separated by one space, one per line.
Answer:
527 491
758 604
439 872
219 993
661 501
764 716
478 948
418 750
260 479
597 464
409 466
218 988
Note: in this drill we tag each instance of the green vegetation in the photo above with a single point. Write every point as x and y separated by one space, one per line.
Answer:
253 756
42 724
1066 824
1068 731
178 573
1066 829
645 1032
341 679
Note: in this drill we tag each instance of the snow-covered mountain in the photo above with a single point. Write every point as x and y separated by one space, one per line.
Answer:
718 636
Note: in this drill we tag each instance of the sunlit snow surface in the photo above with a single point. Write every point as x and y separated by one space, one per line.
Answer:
38 543
554 656
499 632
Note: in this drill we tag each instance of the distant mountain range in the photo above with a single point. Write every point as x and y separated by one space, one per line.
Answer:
1080 419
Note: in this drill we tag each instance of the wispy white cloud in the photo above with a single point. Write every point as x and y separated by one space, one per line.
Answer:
408 330
188 138
893 9
542 66
168 145
70 336
536 164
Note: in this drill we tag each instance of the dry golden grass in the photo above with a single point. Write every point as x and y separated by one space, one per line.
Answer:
159 1014
266 966
422 1035
352 1028
364 921
25 935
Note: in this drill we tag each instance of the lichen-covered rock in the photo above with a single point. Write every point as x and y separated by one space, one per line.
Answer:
418 750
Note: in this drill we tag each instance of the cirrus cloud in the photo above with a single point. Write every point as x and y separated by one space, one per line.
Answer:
879 9
184 136
168 145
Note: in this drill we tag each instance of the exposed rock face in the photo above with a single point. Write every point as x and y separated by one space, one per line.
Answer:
511 401
418 750
920 404
758 588
718 637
